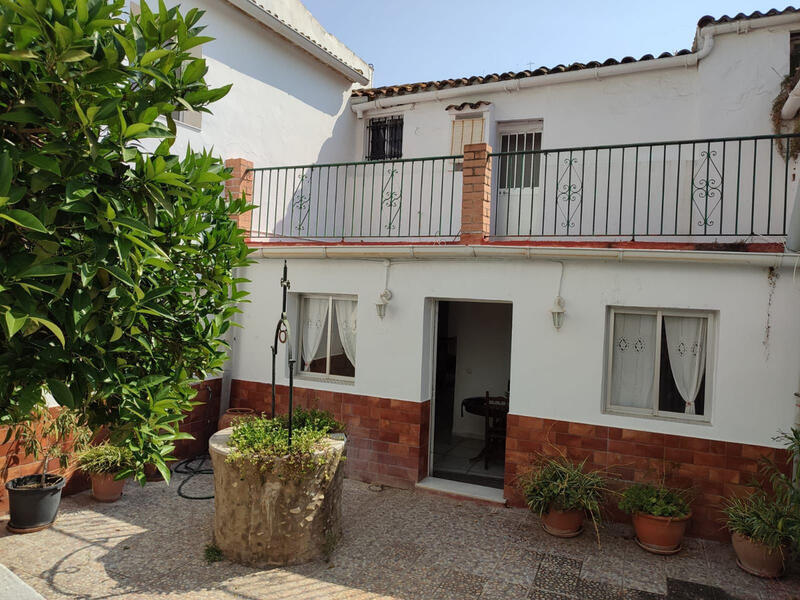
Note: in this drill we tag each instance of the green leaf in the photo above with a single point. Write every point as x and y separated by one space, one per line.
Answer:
23 219
120 274
6 173
61 393
153 55
14 323
74 56
52 327
116 334
20 115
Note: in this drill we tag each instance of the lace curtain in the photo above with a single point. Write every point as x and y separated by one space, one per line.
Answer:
686 345
314 326
346 320
633 361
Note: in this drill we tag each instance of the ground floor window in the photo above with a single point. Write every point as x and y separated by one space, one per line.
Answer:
657 363
328 328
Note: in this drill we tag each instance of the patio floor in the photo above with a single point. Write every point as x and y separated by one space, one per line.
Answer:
396 544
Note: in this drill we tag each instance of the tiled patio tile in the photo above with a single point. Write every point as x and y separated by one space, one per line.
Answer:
519 566
561 563
555 580
597 590
537 594
502 590
468 585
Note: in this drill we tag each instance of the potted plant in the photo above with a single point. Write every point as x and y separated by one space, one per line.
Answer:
660 516
760 529
108 466
765 526
562 492
47 434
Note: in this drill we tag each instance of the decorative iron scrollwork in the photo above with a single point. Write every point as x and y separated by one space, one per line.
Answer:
569 194
391 199
706 188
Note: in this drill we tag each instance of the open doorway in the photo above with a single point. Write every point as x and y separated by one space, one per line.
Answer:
473 359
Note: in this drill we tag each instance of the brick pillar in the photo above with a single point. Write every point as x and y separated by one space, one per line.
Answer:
241 181
476 194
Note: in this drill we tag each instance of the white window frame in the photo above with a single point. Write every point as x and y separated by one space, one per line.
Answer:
653 412
326 376
525 127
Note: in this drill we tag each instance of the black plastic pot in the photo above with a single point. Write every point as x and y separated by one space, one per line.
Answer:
33 508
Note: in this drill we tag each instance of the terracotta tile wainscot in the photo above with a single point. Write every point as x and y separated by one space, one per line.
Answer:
387 439
712 469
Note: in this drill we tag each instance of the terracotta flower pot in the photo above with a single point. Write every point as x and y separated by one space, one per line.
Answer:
757 558
105 488
660 535
563 523
227 419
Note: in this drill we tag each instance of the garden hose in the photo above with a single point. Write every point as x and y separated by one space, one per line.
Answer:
192 467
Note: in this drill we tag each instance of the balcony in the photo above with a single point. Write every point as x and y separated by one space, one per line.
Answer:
705 191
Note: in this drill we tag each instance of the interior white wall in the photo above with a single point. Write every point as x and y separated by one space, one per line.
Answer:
483 357
554 374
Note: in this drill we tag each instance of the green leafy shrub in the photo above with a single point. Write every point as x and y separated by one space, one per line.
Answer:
116 262
312 418
761 519
106 458
771 514
655 500
564 485
264 442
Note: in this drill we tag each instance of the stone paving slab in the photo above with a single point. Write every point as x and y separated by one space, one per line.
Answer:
397 544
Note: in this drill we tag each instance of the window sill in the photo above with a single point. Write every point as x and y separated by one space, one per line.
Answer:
658 417
322 378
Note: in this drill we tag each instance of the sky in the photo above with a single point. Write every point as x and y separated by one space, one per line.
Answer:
423 40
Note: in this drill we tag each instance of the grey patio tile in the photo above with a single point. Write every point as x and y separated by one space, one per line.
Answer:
562 563
468 585
554 580
597 590
605 568
641 595
519 566
537 594
502 590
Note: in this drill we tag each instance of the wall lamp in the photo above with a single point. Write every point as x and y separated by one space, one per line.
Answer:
558 312
383 300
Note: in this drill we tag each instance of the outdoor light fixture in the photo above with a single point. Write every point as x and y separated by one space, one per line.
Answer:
383 300
557 312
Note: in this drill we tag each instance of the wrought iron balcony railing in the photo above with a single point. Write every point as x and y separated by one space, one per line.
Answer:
728 189
710 190
418 198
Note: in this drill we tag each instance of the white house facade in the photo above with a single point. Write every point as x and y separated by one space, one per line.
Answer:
590 259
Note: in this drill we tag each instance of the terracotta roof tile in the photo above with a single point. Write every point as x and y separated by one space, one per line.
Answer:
471 105
410 88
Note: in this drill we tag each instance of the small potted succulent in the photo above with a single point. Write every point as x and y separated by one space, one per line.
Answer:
108 466
760 530
562 493
47 434
660 516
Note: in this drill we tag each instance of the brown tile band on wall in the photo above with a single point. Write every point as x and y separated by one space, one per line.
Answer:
201 422
387 439
711 469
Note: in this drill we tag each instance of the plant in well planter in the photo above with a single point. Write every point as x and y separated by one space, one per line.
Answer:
660 516
108 466
46 435
562 492
283 499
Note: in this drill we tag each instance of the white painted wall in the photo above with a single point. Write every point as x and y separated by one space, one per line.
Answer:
285 106
554 374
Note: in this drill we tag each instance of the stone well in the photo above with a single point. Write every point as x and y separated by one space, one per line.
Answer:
261 519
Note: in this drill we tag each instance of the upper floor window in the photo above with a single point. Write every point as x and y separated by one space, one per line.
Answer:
328 327
794 52
520 168
657 363
385 138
